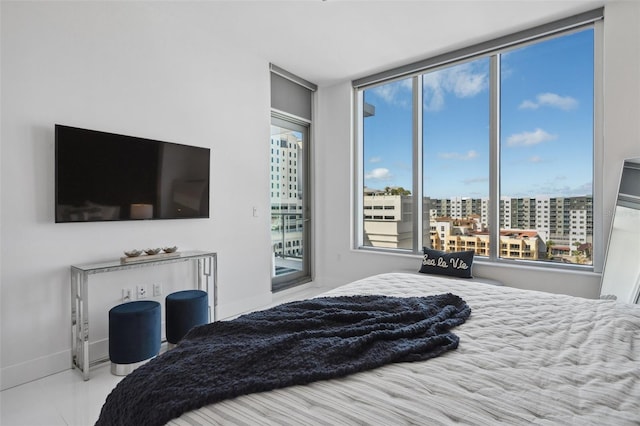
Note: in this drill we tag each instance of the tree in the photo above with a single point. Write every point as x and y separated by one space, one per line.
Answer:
550 245
396 190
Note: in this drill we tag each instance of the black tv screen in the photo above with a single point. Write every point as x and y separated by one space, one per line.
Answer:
108 177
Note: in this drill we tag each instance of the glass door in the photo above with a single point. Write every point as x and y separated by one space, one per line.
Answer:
290 217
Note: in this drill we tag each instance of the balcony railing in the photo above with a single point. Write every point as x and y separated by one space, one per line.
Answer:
287 239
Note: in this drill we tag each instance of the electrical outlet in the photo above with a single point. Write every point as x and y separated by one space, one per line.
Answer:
157 290
141 291
126 295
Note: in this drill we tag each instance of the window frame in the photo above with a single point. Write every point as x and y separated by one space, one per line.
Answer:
292 107
492 50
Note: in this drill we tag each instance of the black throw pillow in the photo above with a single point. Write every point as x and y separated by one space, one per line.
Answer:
455 264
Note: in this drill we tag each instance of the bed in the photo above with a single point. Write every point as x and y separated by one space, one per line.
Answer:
523 357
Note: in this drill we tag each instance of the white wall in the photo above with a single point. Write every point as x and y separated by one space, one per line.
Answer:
337 263
90 65
622 92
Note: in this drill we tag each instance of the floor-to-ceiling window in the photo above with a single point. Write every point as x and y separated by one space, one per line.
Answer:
492 146
290 191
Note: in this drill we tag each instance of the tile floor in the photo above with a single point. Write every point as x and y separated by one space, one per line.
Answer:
60 399
66 399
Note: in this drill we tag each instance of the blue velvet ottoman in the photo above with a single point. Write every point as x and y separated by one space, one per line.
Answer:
134 335
185 310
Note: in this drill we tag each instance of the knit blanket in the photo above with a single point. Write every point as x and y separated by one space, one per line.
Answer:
292 344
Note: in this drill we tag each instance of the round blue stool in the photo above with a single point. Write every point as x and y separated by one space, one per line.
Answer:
134 335
185 310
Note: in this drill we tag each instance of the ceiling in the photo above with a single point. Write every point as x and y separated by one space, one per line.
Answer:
331 41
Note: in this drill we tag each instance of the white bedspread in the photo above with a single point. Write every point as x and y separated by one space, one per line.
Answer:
524 357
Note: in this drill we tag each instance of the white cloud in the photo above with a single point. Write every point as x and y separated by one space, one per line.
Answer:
553 100
463 81
527 104
392 93
536 159
558 185
530 138
469 155
375 159
379 174
585 188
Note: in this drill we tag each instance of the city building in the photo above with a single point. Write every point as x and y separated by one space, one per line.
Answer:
286 201
539 228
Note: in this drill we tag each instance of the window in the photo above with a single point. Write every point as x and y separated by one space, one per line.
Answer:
493 146
455 156
389 137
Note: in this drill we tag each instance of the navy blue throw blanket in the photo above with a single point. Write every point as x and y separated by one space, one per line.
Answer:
292 344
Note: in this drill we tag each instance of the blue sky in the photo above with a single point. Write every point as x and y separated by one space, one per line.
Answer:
546 125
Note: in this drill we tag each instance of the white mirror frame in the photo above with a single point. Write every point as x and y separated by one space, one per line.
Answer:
621 274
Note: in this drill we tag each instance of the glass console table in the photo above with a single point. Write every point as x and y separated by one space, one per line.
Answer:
205 264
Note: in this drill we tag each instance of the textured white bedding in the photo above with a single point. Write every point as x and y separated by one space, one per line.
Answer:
524 357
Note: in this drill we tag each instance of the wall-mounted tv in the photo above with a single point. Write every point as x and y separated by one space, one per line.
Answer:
109 177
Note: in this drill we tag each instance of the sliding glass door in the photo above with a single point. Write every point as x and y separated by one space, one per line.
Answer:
290 217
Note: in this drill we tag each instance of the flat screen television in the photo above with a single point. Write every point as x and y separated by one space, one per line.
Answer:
109 177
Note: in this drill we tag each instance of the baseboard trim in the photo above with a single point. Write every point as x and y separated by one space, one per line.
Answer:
232 310
28 371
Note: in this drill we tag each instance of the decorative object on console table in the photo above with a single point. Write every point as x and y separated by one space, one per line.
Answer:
151 254
133 253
